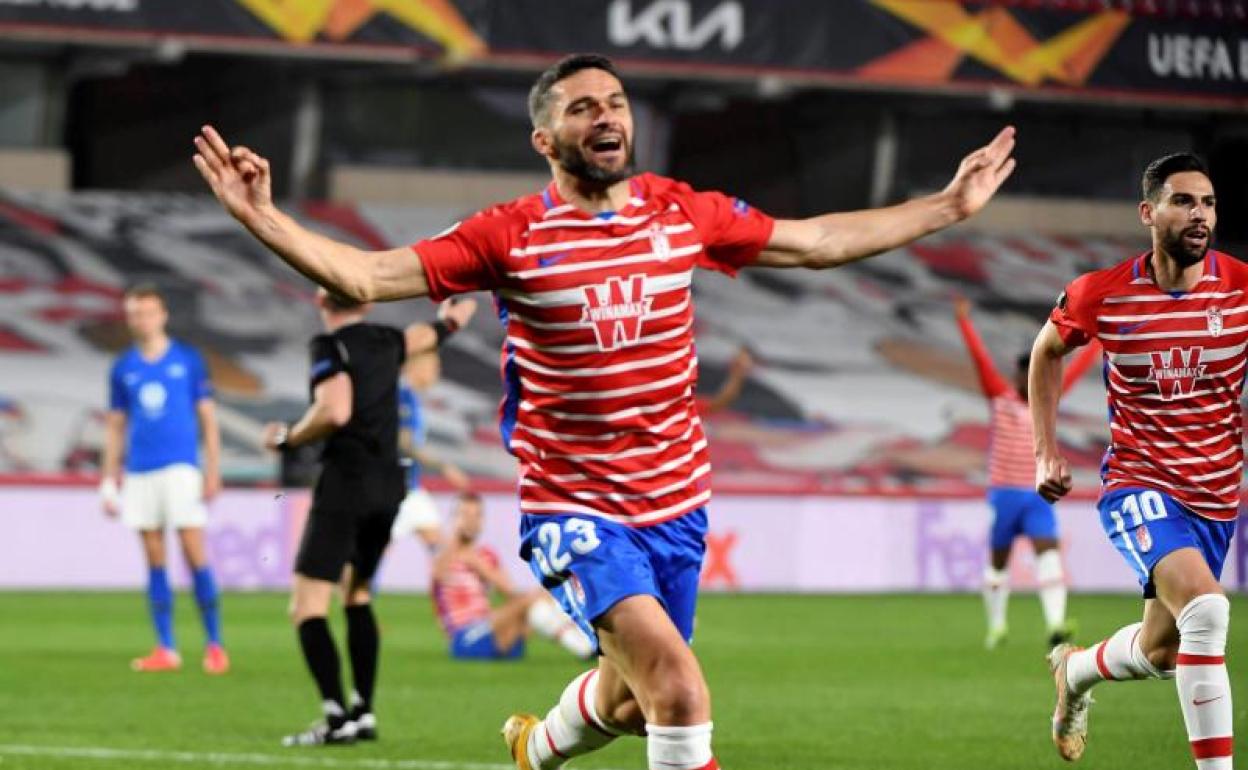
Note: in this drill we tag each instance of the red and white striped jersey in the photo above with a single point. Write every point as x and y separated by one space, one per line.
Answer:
1011 447
460 596
598 364
1175 376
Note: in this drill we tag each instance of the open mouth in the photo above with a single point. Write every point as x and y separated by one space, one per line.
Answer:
1196 236
607 145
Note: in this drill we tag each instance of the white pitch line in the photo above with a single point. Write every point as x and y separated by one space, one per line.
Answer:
227 759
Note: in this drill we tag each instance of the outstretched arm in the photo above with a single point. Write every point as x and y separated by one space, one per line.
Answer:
240 180
1053 478
990 380
738 372
1087 355
833 240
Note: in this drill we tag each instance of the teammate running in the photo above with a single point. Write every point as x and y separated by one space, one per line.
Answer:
592 277
1172 324
465 572
1016 508
160 403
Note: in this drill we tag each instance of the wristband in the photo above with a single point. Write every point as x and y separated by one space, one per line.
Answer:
283 435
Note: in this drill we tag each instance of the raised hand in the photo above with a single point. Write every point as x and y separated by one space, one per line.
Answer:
981 173
238 177
961 307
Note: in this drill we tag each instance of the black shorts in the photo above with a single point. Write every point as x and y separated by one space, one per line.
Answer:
349 522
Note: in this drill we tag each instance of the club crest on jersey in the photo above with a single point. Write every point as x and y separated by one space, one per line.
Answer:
1177 371
1143 540
1213 317
615 310
659 244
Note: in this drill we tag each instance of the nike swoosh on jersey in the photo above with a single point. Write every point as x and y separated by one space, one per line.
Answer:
1129 328
553 259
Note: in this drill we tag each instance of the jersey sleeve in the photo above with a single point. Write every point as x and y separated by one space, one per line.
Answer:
733 232
201 381
467 257
118 398
990 380
328 358
1074 316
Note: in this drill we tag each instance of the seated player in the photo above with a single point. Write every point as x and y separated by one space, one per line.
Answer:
464 573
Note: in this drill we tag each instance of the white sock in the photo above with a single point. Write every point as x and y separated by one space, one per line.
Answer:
546 619
1052 584
1203 684
680 748
571 728
996 596
1117 658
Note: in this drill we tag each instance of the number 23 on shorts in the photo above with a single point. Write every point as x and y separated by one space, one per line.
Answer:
553 555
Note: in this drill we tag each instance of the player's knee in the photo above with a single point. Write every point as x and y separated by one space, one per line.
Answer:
680 700
1162 657
625 717
1204 622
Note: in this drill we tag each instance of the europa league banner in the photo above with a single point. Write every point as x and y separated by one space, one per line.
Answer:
913 44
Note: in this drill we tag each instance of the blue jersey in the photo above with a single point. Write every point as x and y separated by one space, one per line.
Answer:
412 419
159 399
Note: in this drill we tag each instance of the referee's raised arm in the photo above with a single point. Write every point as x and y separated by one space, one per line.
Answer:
241 181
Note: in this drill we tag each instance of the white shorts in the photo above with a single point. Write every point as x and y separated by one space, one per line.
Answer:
172 496
418 512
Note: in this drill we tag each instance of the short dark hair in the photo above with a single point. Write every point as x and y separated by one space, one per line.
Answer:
1163 168
145 290
539 94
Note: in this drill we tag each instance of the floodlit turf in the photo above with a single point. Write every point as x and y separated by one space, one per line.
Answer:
799 682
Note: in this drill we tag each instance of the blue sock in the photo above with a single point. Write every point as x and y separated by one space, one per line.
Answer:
209 609
160 604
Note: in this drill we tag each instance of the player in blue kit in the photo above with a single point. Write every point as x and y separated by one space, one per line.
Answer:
160 402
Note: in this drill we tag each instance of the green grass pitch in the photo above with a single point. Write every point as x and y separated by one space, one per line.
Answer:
799 683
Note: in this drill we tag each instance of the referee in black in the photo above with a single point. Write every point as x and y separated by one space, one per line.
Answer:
354 376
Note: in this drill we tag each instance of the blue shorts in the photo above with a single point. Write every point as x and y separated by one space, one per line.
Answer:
591 564
1017 511
1145 525
475 641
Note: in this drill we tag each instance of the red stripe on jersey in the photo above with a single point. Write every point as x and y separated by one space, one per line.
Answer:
1212 748
460 595
1175 370
1187 659
1011 457
599 358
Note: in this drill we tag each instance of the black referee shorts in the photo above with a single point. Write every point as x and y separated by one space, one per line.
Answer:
349 522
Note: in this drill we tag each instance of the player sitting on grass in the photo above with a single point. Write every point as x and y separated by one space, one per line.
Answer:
463 575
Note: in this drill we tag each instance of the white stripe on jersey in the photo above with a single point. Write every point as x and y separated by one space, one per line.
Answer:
550 434
598 371
1202 332
558 210
620 497
593 348
632 411
1223 436
1136 478
533 323
1168 298
564 268
692 503
1189 410
654 285
595 395
1207 356
605 456
1168 316
1194 460
615 219
597 243
1175 429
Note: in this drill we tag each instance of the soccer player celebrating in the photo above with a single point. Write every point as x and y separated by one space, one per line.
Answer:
1169 321
1016 507
160 404
592 277
465 572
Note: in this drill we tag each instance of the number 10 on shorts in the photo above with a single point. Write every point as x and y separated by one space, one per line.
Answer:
1144 506
550 554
